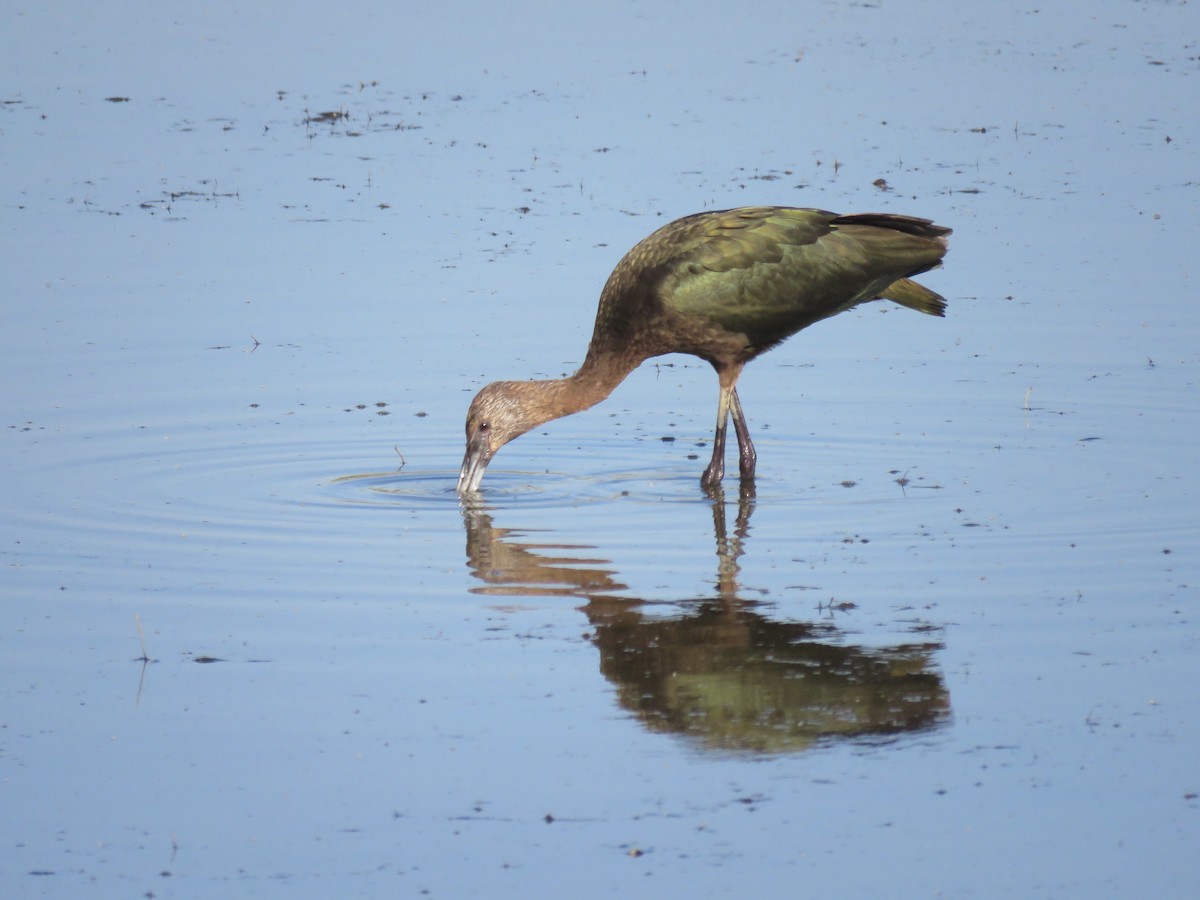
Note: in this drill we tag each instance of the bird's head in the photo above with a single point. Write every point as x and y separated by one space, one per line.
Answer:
499 413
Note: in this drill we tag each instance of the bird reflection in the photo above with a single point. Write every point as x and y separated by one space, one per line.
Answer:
722 674
509 567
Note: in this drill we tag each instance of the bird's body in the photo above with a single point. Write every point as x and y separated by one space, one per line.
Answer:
724 286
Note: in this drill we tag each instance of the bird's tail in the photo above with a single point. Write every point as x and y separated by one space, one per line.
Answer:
908 293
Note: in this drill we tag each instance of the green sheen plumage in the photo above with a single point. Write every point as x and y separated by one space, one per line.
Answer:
765 273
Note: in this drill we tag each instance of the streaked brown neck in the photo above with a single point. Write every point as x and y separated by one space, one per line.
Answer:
596 379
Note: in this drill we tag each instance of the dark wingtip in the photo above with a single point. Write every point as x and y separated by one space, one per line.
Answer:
913 225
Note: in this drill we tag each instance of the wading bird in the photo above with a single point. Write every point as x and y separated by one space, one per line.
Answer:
724 286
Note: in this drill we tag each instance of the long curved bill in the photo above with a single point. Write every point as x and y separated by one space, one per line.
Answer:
474 465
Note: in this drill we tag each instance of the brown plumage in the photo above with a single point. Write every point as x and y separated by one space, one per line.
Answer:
724 286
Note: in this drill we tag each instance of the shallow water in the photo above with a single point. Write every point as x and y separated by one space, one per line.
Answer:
949 645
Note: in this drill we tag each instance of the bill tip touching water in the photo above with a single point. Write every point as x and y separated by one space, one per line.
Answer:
724 286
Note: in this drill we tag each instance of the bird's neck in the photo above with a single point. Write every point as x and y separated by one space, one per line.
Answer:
596 379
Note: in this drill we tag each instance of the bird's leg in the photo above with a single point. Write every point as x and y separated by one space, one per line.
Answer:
728 401
747 458
716 468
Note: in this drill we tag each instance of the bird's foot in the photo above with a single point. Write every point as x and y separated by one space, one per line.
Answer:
712 475
747 462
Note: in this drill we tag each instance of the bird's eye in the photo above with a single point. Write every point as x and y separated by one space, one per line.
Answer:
484 426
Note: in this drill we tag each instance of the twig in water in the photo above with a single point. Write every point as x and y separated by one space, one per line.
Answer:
403 461
144 658
137 620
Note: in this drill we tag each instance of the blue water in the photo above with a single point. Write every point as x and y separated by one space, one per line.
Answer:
948 647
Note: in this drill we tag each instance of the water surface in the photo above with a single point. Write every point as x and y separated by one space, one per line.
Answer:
259 261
